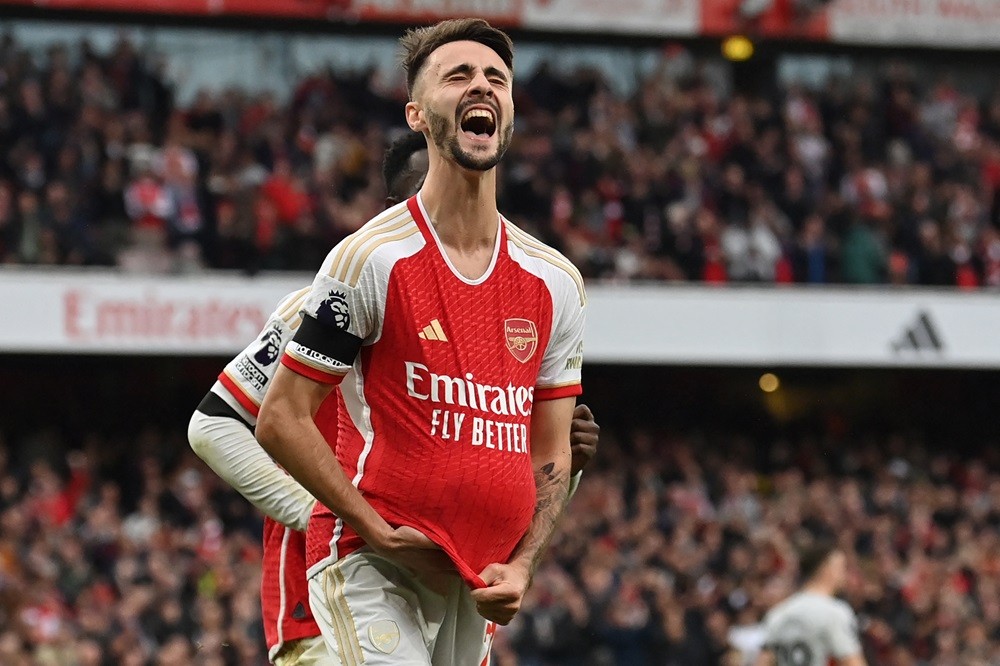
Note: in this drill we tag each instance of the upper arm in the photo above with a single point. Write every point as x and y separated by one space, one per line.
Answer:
560 371
293 397
550 425
340 313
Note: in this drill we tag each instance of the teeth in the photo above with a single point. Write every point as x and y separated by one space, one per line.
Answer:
478 113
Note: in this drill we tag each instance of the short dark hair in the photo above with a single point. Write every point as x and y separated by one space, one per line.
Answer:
813 556
419 43
396 168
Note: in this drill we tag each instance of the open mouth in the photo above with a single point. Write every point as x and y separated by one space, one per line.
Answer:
479 122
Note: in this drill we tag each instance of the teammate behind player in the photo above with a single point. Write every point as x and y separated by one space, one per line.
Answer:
813 627
221 433
452 335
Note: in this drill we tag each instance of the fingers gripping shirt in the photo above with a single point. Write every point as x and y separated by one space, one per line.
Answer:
438 375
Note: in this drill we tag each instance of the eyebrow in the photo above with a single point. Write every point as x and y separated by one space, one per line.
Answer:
466 68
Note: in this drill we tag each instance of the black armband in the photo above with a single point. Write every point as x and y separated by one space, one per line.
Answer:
330 341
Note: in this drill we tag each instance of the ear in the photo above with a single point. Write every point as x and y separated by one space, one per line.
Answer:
415 117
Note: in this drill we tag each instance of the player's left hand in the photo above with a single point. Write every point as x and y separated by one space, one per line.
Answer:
583 438
500 600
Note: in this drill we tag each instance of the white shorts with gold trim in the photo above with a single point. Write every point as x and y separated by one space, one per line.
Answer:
371 611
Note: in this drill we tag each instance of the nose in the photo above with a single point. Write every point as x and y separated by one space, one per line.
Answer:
481 85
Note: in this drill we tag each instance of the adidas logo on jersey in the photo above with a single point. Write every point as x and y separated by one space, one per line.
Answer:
433 331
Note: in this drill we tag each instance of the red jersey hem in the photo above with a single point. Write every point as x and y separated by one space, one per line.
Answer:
557 392
350 541
308 371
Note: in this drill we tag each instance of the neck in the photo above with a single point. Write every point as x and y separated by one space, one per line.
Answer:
818 587
461 204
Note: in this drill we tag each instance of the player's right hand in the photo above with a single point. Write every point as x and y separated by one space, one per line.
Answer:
412 549
500 600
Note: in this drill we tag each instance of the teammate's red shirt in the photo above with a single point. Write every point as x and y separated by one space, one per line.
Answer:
284 589
438 375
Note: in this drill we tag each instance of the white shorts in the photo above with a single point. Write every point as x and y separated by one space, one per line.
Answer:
374 612
304 652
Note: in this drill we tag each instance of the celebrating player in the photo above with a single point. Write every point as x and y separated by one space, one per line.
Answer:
221 433
812 627
456 341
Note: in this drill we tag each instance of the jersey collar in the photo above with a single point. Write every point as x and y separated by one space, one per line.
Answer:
420 216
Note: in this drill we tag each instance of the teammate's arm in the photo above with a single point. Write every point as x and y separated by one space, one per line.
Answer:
226 443
550 457
583 440
853 660
221 430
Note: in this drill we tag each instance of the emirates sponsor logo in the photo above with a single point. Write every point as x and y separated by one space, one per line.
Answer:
521 338
505 429
511 400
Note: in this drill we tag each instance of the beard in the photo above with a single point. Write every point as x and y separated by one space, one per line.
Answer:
446 141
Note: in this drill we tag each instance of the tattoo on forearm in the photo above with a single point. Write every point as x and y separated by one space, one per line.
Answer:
551 496
544 479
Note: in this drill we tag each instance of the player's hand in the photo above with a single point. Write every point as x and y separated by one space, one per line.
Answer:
583 438
500 600
414 550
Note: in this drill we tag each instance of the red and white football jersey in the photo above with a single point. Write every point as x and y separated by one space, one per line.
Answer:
438 375
284 591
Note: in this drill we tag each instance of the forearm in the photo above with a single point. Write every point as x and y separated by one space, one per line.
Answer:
552 493
297 445
230 449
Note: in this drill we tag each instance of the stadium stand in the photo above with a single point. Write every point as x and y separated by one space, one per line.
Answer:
669 557
887 179
118 546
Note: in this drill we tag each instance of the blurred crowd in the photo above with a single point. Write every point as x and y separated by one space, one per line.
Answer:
669 555
125 555
888 179
675 547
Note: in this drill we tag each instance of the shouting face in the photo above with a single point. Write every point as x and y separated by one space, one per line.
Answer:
462 99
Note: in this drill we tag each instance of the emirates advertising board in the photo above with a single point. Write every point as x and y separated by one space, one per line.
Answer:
67 312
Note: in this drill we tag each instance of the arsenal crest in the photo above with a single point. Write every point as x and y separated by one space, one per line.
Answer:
521 337
384 635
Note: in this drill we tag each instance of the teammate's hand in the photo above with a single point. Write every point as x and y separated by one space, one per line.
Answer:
500 600
414 550
583 438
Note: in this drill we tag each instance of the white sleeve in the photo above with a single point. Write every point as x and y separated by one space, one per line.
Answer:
843 633
339 314
245 379
230 449
559 375
574 483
